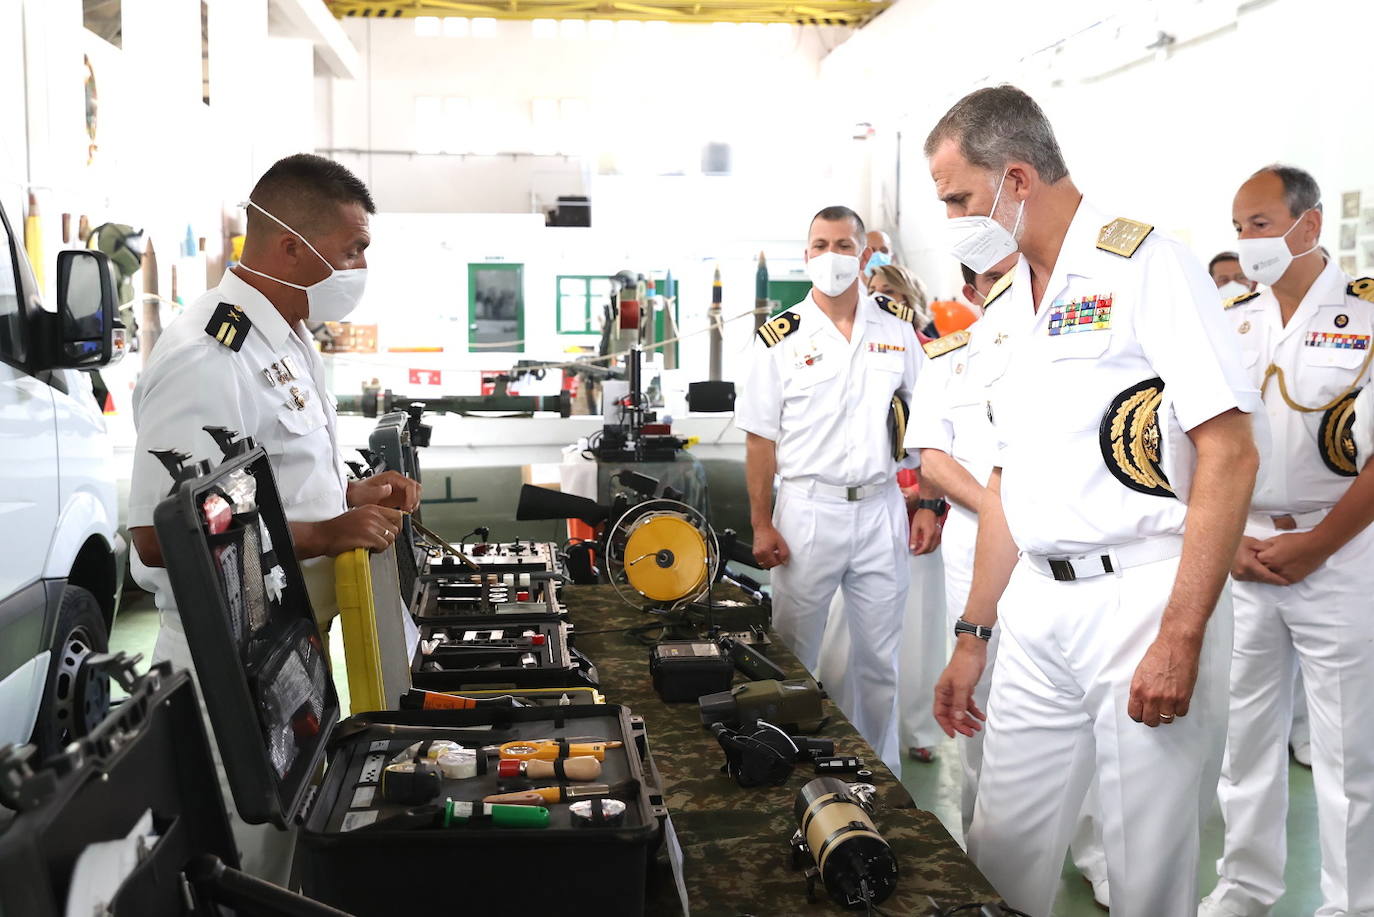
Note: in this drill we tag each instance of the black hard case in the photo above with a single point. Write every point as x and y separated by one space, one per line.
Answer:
377 870
150 753
559 665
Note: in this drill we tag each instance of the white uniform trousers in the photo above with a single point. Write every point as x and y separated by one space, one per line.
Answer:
1057 713
960 536
860 548
925 649
1325 626
265 851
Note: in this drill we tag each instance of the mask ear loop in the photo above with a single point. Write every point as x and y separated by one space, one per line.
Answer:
1316 246
1020 210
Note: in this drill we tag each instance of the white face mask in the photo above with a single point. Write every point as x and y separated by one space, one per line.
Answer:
331 299
1232 288
982 242
833 273
1266 260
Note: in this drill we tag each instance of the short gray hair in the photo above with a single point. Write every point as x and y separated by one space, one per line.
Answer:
1300 190
998 125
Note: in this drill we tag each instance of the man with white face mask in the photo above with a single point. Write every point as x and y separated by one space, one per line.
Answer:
1303 573
240 357
817 405
1114 635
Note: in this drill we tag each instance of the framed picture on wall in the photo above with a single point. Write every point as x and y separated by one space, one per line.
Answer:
1349 264
1367 221
1350 205
496 307
1348 236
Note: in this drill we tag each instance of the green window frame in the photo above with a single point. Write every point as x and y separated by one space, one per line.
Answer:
577 305
489 277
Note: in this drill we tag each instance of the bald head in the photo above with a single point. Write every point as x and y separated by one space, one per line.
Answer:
879 241
1275 199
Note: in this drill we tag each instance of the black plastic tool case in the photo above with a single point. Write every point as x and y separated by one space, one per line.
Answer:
381 868
456 593
150 753
458 665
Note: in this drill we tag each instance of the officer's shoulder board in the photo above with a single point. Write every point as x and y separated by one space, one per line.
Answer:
229 325
947 344
1362 288
1001 286
891 306
778 327
1123 237
1239 300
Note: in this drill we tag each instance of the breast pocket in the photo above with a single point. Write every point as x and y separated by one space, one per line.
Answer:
1325 372
1074 395
298 443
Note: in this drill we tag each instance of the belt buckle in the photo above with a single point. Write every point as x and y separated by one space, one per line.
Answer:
852 493
1062 569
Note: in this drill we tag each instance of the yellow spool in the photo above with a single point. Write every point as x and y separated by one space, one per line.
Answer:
666 558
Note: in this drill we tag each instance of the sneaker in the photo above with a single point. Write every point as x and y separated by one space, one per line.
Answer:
1210 907
1302 754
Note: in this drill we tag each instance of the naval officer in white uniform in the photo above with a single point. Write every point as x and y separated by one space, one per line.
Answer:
1112 374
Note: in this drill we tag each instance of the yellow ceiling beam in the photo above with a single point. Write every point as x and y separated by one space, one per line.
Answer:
836 12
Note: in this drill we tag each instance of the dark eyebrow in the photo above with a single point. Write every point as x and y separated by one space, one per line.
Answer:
954 197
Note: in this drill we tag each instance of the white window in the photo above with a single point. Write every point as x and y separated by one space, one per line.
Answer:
426 26
457 119
429 124
545 131
572 28
543 28
601 29
483 27
456 27
628 29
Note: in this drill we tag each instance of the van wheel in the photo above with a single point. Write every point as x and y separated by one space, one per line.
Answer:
76 697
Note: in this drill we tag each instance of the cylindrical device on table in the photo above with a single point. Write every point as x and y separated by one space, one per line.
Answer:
713 316
847 848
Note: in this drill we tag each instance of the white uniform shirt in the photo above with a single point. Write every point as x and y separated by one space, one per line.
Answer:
1321 351
952 411
825 400
194 381
1153 314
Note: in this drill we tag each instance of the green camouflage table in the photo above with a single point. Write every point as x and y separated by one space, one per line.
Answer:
735 840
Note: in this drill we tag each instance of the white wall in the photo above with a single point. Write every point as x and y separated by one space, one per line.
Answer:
164 159
1164 138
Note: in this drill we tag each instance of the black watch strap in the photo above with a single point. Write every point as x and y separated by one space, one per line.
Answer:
936 506
978 630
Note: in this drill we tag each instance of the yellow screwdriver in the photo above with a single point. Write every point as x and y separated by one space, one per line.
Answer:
552 750
547 794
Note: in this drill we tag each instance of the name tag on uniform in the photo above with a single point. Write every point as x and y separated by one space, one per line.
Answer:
1088 313
876 347
1337 340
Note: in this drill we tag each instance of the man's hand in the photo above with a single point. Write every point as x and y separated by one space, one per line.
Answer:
1162 686
1248 568
1293 556
925 532
770 549
372 527
955 710
390 488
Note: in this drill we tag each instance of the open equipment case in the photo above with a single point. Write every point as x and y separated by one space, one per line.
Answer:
128 821
261 659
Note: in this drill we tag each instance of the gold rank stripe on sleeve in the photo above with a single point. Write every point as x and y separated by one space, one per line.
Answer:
947 344
1123 237
1239 300
1001 286
229 325
1361 289
905 313
778 327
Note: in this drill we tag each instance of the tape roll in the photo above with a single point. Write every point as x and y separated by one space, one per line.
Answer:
598 813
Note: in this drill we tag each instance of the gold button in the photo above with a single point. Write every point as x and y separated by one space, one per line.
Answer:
1244 327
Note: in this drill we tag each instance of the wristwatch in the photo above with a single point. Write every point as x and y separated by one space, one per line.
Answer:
978 630
936 506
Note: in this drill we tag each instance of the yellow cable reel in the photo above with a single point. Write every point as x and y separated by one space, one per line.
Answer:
666 558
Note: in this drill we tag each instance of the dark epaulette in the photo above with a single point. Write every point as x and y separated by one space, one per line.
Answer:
778 327
1361 289
230 326
890 305
1001 286
947 344
1122 236
1239 300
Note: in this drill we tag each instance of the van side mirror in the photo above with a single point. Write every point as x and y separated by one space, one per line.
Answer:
89 333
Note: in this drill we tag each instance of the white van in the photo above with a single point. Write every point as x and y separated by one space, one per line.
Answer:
60 555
